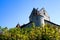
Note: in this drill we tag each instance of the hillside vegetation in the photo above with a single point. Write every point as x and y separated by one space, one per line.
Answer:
48 32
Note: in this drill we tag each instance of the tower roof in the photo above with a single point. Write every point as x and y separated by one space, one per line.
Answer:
38 12
43 11
34 12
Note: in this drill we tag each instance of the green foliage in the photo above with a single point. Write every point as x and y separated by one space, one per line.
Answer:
48 32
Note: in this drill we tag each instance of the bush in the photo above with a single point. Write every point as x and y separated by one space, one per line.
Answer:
48 32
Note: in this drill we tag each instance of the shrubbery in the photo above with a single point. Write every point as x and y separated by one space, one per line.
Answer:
48 32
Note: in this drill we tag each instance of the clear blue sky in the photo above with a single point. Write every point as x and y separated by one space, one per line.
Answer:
14 11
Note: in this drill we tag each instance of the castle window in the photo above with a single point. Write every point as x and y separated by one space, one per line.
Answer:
44 13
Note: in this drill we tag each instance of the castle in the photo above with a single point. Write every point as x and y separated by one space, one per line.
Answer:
39 17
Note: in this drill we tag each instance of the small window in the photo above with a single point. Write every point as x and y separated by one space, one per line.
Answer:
44 13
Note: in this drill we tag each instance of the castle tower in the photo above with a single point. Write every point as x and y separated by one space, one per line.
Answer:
38 17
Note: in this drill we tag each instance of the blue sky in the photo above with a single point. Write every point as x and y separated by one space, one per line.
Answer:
14 11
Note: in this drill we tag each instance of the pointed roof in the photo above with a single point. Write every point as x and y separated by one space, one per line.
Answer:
43 11
34 12
18 25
